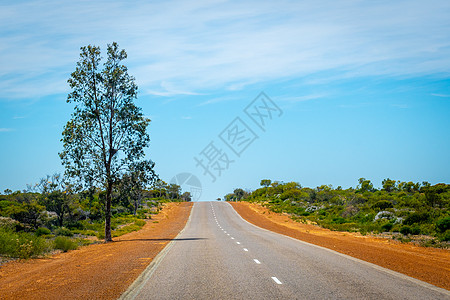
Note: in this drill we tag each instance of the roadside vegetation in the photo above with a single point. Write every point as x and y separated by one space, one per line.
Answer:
407 211
51 216
109 188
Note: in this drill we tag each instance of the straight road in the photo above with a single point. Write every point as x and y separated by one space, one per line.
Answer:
221 256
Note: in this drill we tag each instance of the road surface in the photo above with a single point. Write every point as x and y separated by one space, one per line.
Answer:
221 256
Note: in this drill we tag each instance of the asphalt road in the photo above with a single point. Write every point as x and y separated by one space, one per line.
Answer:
221 256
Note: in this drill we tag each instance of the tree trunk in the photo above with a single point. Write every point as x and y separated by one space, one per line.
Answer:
108 237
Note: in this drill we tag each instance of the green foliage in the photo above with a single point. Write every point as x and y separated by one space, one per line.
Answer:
445 236
382 205
387 226
406 207
129 228
405 230
22 244
417 218
65 244
443 224
265 182
62 231
389 185
31 214
42 231
107 133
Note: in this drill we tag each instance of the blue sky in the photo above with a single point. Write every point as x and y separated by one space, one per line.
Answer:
363 86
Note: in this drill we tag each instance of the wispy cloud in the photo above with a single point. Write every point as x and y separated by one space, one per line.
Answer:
6 129
302 98
180 48
218 100
441 95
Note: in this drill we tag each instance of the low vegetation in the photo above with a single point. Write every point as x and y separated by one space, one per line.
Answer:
405 211
50 216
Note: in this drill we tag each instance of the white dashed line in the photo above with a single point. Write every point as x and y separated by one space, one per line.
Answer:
232 238
245 249
276 280
238 243
258 262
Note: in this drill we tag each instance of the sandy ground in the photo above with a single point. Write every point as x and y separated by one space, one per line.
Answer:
427 264
101 271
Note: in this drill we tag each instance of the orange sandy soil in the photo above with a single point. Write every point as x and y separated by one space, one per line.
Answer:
427 264
100 271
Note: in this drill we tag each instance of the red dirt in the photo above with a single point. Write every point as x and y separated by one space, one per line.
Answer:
427 264
101 271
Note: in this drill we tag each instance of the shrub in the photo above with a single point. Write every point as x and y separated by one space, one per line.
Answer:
8 223
339 220
405 230
443 224
446 236
382 205
63 231
22 245
42 231
65 244
387 227
415 230
417 218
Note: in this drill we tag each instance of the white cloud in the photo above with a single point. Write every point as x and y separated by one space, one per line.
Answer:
441 95
6 129
180 48
301 98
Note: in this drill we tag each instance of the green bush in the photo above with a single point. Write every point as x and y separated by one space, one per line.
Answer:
446 236
22 244
382 205
65 244
8 223
417 218
387 226
443 224
42 231
405 230
63 231
415 230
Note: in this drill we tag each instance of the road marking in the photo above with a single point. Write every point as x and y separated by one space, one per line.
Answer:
228 234
238 243
245 249
232 238
276 280
258 262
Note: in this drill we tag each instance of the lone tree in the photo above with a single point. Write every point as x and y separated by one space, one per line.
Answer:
106 135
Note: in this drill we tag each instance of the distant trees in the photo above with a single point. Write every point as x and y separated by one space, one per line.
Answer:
399 206
108 132
239 194
265 182
131 186
389 185
365 185
186 197
56 195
